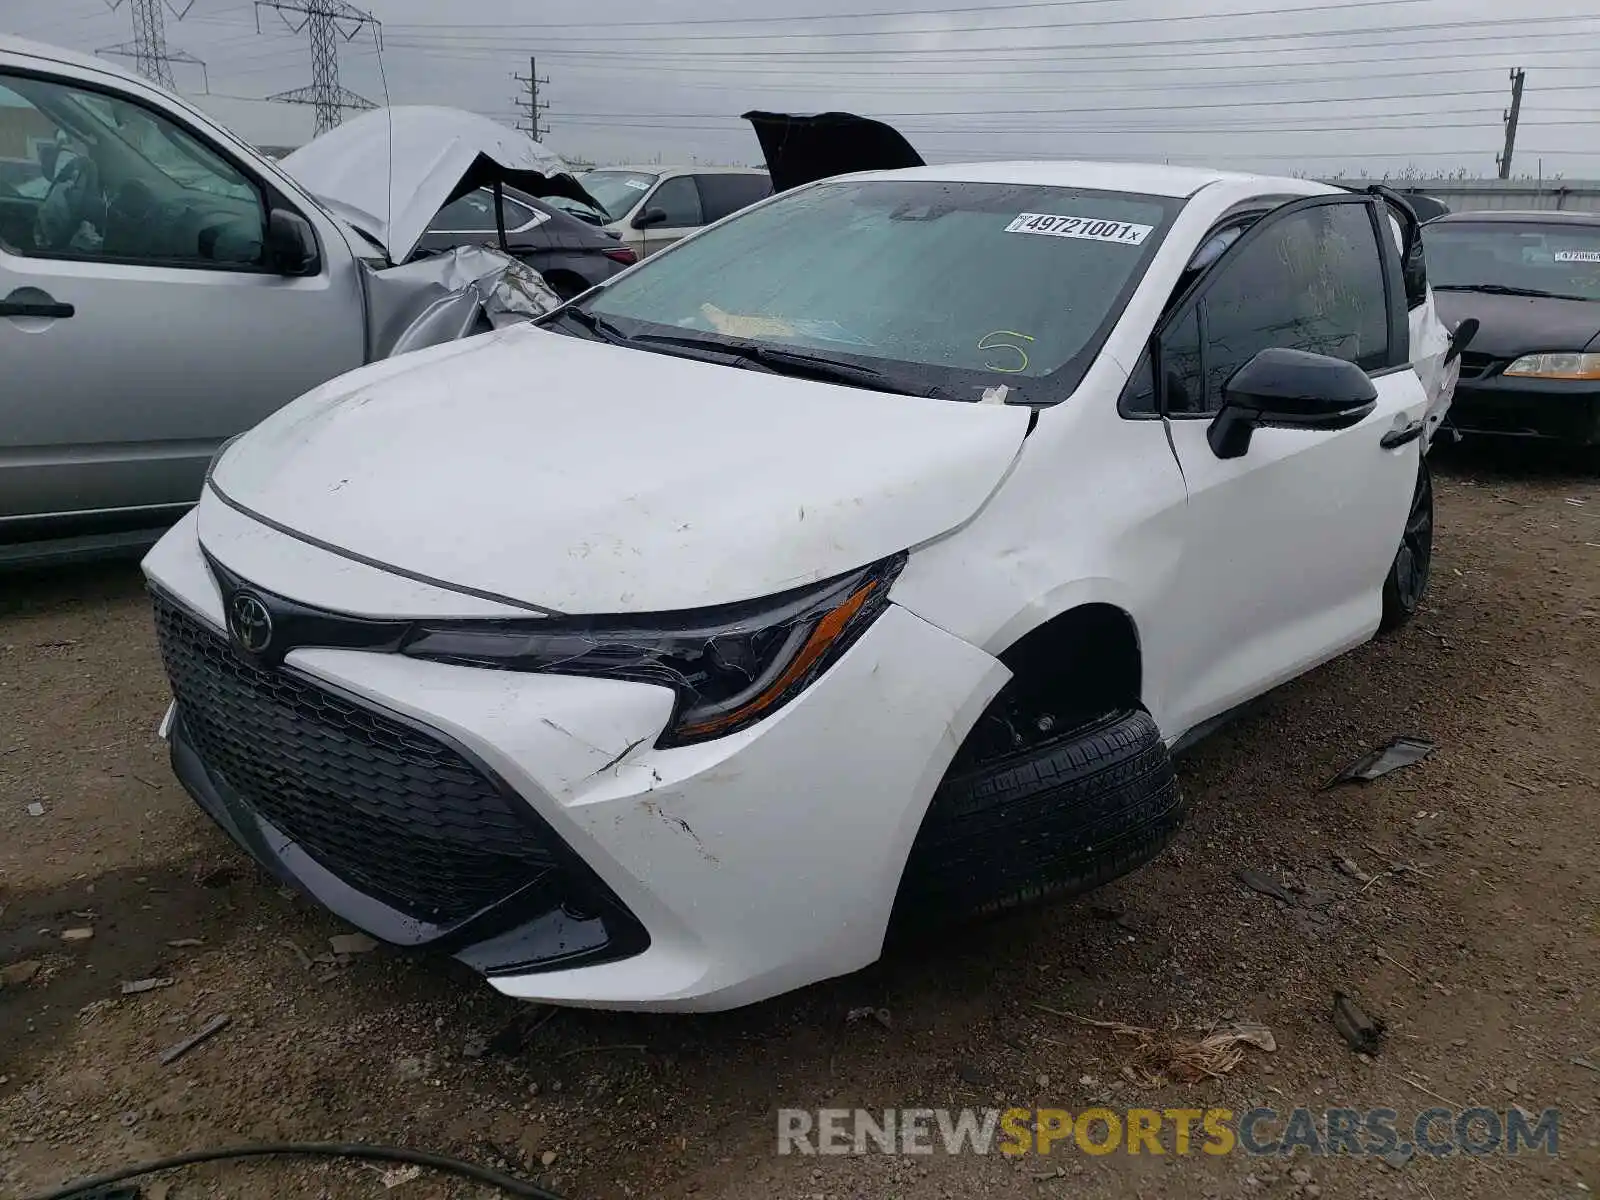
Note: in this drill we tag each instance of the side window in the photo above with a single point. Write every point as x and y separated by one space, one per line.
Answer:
680 200
110 179
722 195
474 213
1310 281
1182 384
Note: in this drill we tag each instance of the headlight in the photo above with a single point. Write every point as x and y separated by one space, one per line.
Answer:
729 666
1556 366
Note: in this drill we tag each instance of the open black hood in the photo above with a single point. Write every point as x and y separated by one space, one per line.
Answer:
801 150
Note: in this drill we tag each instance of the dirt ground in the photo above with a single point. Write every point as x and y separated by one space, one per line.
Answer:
1477 939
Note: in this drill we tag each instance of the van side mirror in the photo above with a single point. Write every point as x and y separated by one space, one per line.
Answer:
291 244
1289 389
649 217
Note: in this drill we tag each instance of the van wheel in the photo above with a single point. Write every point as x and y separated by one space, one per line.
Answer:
1050 820
1408 574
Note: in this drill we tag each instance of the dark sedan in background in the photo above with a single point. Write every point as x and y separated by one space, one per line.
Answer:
1532 279
571 252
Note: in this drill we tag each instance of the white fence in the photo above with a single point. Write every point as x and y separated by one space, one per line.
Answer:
1464 195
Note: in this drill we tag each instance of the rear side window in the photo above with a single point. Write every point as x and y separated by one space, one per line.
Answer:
1312 280
679 199
723 195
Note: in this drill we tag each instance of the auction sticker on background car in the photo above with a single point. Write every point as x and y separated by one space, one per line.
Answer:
1088 228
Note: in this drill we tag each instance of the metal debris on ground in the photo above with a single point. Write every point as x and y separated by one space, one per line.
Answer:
352 943
1402 752
209 1030
1399 1157
133 987
76 935
1347 866
1158 1056
1260 881
186 943
881 1015
35 809
1361 1032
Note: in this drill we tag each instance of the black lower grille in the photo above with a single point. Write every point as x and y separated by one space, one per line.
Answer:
1475 365
395 813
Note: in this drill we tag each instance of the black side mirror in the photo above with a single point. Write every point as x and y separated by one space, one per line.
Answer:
291 244
649 217
1461 339
1290 389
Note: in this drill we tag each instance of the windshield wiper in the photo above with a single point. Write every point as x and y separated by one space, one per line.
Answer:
599 326
781 361
1501 289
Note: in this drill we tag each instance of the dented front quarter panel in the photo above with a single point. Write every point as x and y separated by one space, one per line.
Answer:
445 297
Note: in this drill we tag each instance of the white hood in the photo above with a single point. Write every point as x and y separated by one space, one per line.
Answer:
587 478
432 150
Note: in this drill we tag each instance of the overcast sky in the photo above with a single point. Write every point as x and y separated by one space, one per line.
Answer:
1279 85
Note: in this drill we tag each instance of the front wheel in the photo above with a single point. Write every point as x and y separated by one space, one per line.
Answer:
1408 574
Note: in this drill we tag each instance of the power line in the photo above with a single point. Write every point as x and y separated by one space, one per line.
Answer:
1343 5
532 108
327 21
1504 160
148 49
912 12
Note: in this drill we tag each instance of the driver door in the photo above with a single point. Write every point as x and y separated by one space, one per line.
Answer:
1287 546
139 326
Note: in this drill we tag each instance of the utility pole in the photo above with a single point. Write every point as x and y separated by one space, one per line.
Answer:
149 52
1518 75
532 107
327 21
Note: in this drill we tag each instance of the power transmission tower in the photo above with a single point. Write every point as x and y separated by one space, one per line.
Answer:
149 52
1518 75
532 107
327 21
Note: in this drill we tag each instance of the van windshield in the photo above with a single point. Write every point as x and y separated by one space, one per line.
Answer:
948 289
617 191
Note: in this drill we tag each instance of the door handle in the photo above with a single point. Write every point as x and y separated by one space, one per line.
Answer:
35 308
1396 438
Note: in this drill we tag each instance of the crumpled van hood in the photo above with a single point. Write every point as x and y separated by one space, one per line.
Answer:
580 477
437 155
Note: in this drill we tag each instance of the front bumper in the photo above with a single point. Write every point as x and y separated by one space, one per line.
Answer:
1555 409
694 878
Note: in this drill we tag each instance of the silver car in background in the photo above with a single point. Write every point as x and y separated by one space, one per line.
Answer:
163 286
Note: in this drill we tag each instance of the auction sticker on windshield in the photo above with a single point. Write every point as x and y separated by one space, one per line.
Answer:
1088 228
1590 256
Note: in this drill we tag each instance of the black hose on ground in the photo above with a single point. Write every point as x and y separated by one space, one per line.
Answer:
356 1150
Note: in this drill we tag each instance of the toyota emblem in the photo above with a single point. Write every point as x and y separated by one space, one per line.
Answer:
250 623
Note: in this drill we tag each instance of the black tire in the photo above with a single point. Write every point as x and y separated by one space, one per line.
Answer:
1407 581
1049 821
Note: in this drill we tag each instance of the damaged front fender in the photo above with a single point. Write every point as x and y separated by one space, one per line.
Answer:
445 297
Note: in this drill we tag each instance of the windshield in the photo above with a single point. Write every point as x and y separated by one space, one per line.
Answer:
577 208
617 191
943 288
1555 258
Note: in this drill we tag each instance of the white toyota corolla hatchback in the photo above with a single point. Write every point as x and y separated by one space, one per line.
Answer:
855 565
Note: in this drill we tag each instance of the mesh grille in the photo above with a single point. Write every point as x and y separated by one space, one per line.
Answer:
393 812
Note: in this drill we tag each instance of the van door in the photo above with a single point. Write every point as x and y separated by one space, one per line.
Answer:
140 326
